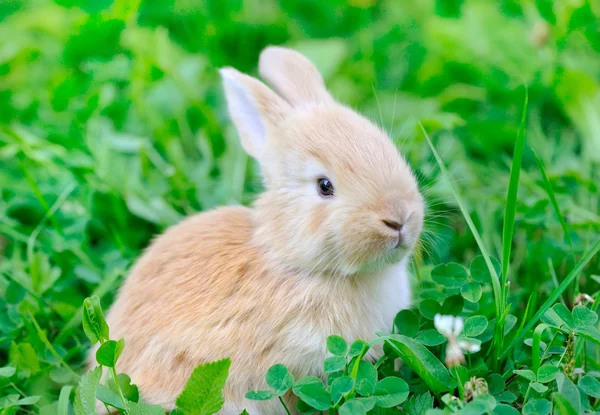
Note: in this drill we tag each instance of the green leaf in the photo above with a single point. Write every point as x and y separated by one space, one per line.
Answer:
562 406
15 293
590 386
136 408
61 374
546 10
130 390
109 397
315 395
423 363
504 409
429 308
538 387
418 404
337 346
495 383
537 407
583 316
42 273
307 380
340 387
279 379
333 376
12 400
94 325
7 371
547 373
550 317
474 326
369 404
471 291
452 305
366 378
109 352
377 410
334 363
450 275
527 374
260 395
480 271
64 400
431 337
590 332
24 358
352 407
357 347
507 397
407 323
8 401
475 407
569 391
554 296
203 392
304 408
30 400
563 312
390 392
85 395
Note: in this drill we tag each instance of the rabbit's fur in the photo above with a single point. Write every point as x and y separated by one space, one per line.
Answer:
268 284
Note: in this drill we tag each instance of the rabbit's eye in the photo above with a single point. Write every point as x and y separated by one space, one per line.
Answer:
325 187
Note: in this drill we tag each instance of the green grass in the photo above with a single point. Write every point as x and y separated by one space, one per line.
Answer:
113 127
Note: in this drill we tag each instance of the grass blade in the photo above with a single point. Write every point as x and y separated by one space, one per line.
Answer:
552 197
42 335
555 295
548 188
60 200
497 289
531 303
511 198
554 278
64 400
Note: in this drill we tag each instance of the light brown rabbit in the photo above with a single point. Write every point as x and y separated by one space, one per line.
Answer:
324 250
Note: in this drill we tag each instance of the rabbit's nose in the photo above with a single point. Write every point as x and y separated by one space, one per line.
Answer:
392 224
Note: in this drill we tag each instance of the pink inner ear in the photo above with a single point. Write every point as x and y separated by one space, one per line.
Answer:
250 118
245 113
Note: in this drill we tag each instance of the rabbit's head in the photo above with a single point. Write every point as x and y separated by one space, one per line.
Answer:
338 196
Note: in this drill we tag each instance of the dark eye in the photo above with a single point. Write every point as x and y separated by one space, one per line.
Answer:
325 187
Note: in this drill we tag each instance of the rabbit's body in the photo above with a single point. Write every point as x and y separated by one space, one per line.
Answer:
203 291
323 250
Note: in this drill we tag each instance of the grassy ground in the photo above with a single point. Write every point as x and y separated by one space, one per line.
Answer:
112 127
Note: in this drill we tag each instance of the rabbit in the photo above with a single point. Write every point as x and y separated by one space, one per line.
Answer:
324 250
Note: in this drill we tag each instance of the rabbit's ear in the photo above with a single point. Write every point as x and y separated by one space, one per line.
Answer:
293 76
253 107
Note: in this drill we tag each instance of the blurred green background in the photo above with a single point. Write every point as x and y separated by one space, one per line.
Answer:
113 127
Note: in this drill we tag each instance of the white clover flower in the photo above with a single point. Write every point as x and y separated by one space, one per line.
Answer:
451 327
583 298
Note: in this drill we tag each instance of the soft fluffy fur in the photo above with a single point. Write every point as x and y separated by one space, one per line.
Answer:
267 285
